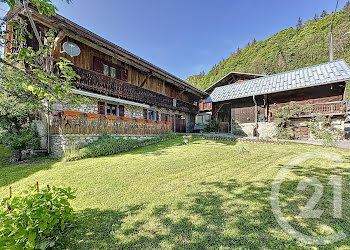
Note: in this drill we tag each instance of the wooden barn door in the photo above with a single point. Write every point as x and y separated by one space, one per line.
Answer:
301 132
180 124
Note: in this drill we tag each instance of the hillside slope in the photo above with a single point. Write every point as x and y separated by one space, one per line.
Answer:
289 49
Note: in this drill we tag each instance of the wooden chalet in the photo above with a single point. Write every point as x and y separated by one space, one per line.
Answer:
251 104
129 95
205 108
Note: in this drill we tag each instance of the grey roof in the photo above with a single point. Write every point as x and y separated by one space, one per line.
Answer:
321 74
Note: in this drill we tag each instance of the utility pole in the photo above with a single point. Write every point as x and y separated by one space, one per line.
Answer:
331 44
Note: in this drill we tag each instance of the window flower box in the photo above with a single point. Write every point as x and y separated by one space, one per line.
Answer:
94 116
71 113
149 121
168 123
160 122
127 119
111 117
139 120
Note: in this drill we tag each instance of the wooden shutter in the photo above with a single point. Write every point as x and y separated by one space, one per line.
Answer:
121 110
145 114
157 116
124 75
98 65
101 108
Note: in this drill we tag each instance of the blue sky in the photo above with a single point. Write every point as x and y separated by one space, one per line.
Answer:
185 37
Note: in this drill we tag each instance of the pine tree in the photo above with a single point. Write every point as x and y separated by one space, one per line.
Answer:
300 23
347 7
254 41
324 14
316 18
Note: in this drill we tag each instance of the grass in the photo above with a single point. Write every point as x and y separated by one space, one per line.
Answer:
208 194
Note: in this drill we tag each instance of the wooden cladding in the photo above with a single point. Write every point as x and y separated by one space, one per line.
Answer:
101 84
84 124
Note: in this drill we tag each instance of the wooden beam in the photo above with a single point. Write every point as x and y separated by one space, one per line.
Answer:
180 93
146 79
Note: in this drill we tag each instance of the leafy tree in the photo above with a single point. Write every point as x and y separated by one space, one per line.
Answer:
324 14
30 77
299 23
316 18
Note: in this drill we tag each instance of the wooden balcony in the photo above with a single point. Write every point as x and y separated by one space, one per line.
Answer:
75 123
330 108
101 84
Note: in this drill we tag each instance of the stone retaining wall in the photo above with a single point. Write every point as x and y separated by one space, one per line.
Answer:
59 144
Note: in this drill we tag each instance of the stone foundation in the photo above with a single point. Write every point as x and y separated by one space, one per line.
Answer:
59 144
265 129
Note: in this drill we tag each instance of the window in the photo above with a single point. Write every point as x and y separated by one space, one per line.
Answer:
111 109
151 115
166 117
105 69
113 72
110 69
202 119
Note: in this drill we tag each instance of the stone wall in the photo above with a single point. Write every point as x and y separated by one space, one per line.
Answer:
59 144
265 129
129 111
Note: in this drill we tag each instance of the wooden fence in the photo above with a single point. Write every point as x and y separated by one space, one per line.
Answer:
95 124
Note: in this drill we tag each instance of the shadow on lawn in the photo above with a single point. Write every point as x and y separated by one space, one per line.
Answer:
228 215
162 147
11 173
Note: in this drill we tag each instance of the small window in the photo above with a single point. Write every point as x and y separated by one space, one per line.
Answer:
105 69
151 115
121 110
111 109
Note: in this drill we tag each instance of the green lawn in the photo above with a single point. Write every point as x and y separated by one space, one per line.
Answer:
207 194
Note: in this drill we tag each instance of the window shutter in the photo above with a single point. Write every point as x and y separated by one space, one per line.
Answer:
145 114
101 108
121 110
98 65
157 116
124 75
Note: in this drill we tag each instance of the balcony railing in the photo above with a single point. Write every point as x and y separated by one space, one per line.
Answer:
101 84
329 108
79 123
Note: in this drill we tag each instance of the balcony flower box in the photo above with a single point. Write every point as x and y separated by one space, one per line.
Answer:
168 123
71 113
127 119
94 116
160 122
111 117
139 120
149 121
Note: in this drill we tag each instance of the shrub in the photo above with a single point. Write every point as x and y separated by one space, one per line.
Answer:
322 130
108 145
25 137
35 218
213 126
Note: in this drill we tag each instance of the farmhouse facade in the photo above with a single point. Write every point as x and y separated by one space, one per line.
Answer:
128 95
248 107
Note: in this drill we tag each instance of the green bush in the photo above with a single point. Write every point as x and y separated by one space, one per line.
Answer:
25 137
108 145
213 126
35 219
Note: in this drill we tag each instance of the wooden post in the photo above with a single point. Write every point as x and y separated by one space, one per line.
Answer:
10 192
